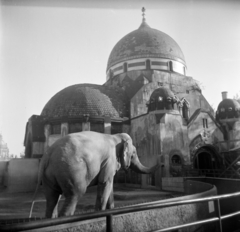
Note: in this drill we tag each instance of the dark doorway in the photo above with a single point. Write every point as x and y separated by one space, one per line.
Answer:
204 159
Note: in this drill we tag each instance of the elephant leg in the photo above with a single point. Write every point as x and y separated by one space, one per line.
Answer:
52 198
73 187
69 205
104 195
55 210
72 196
110 202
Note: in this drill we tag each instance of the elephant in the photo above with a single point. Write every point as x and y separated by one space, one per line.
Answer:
79 160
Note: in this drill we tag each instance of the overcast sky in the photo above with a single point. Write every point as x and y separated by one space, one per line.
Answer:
49 45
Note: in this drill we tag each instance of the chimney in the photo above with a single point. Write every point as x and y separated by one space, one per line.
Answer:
224 95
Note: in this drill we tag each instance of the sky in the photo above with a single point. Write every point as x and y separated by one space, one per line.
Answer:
46 46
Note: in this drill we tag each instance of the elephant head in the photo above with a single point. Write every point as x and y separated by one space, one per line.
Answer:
129 159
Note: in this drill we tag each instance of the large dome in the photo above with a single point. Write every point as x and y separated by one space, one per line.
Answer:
145 42
95 100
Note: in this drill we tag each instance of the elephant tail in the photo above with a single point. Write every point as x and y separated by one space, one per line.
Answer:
42 166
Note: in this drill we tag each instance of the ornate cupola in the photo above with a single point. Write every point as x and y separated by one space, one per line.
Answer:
228 110
162 99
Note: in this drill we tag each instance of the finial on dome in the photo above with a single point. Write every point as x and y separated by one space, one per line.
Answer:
143 14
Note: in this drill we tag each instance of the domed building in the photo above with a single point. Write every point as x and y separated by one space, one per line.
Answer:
147 94
146 48
228 116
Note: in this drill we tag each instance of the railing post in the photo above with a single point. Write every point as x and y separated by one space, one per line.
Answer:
219 215
109 223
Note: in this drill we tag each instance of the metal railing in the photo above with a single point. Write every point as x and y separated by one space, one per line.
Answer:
109 214
218 173
33 203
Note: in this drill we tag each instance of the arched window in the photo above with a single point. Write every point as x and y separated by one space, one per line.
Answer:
111 73
148 64
184 70
171 66
152 104
184 108
176 160
185 111
169 103
160 103
125 67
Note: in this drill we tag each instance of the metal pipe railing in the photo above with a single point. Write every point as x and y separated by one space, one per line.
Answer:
33 203
108 214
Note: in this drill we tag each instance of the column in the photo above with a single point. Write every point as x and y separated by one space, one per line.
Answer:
47 132
86 124
107 125
64 129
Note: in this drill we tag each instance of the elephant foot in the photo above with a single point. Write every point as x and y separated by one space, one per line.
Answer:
69 206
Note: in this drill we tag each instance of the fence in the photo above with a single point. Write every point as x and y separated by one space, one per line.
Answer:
109 214
219 173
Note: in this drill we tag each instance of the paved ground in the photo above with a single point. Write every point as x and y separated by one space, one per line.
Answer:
17 205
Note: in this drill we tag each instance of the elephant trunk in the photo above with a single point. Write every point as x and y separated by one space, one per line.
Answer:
139 168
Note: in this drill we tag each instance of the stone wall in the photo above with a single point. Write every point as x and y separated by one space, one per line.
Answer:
3 167
174 141
234 134
173 184
21 175
210 132
158 136
157 218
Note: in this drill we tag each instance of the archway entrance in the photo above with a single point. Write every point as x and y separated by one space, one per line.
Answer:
205 159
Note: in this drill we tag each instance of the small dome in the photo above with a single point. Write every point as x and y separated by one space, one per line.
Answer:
161 98
163 92
81 99
227 109
145 42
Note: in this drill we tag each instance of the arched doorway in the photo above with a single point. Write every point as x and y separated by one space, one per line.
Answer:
206 158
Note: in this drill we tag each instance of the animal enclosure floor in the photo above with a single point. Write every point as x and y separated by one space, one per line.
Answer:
17 205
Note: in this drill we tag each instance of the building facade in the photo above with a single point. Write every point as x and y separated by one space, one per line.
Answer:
147 94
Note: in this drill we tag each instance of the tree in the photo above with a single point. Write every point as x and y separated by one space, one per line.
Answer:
237 97
22 154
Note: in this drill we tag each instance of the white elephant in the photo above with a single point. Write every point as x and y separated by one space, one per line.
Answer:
79 160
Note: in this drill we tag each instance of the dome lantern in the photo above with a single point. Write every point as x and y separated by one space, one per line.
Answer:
228 110
161 99
143 14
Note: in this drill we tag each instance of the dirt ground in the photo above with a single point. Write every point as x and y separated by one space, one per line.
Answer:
14 206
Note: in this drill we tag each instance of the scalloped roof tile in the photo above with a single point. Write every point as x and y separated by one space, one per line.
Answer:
95 100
